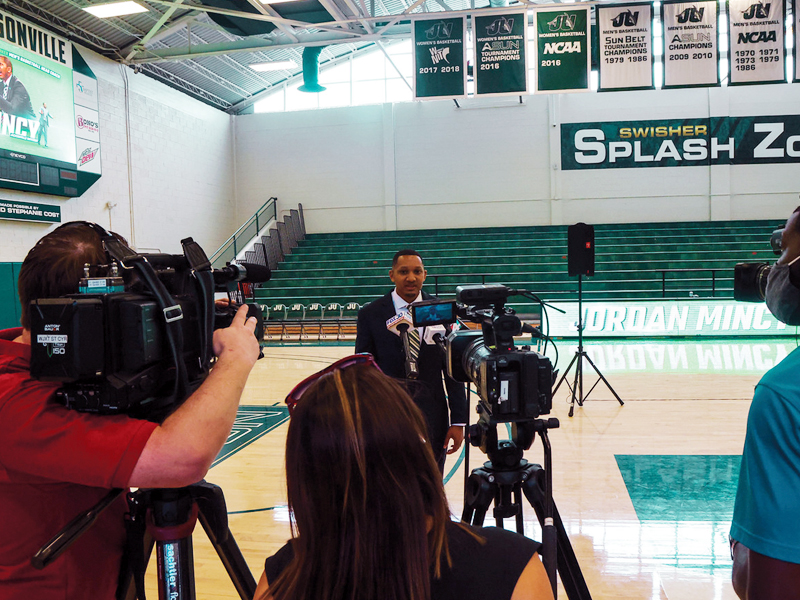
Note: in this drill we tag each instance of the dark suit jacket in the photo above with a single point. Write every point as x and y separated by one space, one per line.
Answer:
427 391
17 101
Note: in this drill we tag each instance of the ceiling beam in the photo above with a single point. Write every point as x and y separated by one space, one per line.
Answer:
159 24
176 25
258 44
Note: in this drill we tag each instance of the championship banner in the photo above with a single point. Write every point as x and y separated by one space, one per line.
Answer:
439 66
500 65
625 43
691 49
757 52
563 55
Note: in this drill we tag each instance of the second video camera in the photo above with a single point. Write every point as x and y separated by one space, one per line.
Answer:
514 384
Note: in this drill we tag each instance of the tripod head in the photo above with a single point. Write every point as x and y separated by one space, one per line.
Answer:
506 455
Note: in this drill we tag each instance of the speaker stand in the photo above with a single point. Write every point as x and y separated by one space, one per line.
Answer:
580 355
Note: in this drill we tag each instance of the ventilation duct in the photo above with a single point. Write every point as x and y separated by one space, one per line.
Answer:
311 70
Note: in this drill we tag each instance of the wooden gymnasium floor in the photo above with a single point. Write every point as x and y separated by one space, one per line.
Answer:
645 490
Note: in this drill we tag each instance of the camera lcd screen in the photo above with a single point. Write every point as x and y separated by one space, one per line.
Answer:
433 312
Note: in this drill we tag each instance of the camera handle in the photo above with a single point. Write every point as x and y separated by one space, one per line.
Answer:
165 518
491 483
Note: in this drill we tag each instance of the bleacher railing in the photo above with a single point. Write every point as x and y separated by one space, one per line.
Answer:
245 234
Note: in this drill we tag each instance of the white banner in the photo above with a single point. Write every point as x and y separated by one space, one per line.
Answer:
757 52
625 46
691 50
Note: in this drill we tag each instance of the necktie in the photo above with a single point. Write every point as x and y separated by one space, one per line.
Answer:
5 91
413 344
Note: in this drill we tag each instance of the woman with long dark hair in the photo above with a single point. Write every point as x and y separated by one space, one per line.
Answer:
370 515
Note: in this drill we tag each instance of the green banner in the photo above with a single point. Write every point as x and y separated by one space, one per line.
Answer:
439 69
24 211
562 50
667 318
681 142
500 64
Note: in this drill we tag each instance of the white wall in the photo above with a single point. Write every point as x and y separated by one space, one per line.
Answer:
181 170
432 164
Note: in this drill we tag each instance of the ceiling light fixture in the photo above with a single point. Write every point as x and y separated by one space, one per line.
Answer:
115 9
277 65
275 1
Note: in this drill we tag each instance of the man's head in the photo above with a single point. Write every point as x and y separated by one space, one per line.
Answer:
408 274
6 68
790 240
54 266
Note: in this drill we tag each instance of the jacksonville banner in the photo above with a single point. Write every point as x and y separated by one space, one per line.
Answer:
757 51
439 66
563 55
500 65
691 52
681 142
625 46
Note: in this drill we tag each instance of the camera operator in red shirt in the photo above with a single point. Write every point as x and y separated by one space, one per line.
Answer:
56 463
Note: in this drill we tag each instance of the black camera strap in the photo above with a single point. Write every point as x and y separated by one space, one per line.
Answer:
172 315
172 311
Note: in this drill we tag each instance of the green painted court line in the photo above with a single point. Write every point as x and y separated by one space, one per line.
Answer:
254 510
251 424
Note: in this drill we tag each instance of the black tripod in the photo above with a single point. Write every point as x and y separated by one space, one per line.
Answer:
164 518
507 475
580 355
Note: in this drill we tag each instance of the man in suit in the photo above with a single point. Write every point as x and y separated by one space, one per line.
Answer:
446 431
14 98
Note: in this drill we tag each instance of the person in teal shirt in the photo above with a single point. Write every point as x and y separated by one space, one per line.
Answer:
765 533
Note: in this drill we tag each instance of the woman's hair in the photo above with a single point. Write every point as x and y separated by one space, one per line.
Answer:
363 487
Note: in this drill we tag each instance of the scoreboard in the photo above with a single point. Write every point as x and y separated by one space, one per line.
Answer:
49 119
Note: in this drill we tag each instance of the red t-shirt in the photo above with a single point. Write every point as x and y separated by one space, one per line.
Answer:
54 464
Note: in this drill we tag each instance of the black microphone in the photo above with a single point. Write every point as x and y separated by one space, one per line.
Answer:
245 272
399 324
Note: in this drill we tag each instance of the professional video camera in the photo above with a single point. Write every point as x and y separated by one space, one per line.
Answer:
513 384
750 279
515 387
137 338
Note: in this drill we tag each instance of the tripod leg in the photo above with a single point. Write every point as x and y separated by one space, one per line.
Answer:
564 376
604 380
578 397
232 559
568 568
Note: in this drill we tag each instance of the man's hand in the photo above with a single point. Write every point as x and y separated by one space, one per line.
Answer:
238 341
180 451
455 434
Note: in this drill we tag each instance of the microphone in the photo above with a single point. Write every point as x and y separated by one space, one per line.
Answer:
245 272
400 325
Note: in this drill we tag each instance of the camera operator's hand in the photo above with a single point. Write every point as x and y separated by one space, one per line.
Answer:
455 434
238 338
180 451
